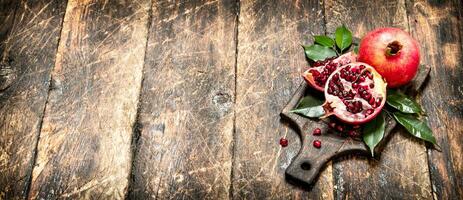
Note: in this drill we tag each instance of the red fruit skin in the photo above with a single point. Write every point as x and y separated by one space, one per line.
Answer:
398 69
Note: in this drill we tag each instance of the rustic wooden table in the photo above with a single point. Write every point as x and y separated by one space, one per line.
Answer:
180 100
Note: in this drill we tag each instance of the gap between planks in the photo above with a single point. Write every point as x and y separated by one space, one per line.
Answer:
232 148
136 124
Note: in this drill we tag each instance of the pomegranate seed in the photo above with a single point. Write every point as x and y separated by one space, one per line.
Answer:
283 142
355 85
317 131
351 106
361 79
372 85
317 144
370 111
367 96
352 78
362 67
371 101
378 101
369 75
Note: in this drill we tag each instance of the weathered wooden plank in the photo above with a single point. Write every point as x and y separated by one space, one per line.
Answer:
270 63
84 146
7 11
438 27
401 172
186 110
28 47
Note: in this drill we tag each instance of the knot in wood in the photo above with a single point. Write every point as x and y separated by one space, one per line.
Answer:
222 101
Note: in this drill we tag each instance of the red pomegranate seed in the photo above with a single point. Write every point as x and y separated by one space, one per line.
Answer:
367 97
317 144
378 101
371 101
369 112
317 131
315 72
369 75
361 79
283 142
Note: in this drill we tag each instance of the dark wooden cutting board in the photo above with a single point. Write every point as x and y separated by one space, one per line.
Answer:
306 166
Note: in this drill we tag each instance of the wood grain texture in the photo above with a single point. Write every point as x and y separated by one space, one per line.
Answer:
438 27
28 48
401 172
186 109
84 146
7 11
270 63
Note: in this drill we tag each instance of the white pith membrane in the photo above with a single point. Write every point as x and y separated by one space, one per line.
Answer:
326 67
342 98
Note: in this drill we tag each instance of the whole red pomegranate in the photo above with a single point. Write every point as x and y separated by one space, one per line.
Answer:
393 53
355 93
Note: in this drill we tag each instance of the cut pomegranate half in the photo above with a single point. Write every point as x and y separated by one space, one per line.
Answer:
355 93
321 70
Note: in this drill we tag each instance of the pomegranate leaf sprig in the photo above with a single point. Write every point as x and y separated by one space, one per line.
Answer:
407 112
327 47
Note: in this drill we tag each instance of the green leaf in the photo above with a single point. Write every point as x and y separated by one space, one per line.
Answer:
402 103
309 106
415 126
309 101
343 38
317 52
373 132
324 40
